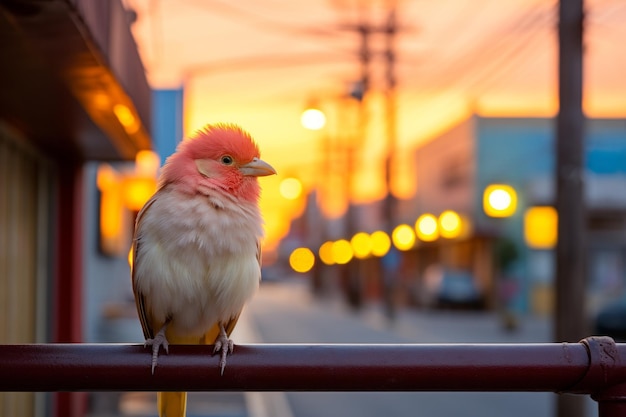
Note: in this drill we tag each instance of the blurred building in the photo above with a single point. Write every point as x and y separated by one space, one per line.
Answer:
72 90
455 169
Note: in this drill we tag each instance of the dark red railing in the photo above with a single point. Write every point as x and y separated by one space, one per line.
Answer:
592 367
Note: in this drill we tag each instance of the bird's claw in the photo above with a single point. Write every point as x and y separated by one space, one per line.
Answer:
158 341
226 346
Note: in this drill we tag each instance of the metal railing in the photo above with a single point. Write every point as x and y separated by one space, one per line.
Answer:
592 367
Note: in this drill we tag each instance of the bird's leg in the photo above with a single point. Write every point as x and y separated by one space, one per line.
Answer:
158 341
224 344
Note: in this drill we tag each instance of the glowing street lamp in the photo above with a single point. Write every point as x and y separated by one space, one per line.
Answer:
326 253
403 237
313 119
381 243
499 200
361 245
540 227
426 227
342 251
301 260
291 188
450 224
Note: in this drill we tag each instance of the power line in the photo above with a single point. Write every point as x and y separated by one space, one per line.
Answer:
245 16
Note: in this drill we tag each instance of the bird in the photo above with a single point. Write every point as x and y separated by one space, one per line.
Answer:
197 246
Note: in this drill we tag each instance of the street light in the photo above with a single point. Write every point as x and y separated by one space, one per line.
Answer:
302 260
499 200
540 227
291 188
313 119
403 237
426 227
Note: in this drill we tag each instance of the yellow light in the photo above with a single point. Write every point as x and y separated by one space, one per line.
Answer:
291 188
499 200
326 253
403 237
106 177
131 258
313 119
114 233
361 245
342 251
137 191
426 227
540 227
450 224
126 118
147 163
381 243
301 260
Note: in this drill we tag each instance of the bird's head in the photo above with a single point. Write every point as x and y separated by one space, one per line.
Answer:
217 157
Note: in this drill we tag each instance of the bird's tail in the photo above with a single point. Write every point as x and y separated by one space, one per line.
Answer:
172 404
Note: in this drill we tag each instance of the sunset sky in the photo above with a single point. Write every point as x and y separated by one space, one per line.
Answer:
258 63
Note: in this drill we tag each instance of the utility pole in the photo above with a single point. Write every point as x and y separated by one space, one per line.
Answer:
365 30
390 277
571 248
390 119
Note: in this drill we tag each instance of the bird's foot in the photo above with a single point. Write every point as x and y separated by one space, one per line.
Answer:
226 346
158 341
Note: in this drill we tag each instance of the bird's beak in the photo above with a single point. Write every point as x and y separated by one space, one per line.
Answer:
257 168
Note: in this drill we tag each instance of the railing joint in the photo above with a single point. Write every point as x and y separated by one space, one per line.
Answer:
604 360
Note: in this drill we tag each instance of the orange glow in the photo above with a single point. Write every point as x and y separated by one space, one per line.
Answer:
381 243
126 118
326 253
450 224
147 163
540 227
361 245
114 222
237 81
301 260
137 191
426 227
342 251
291 188
403 237
313 119
499 200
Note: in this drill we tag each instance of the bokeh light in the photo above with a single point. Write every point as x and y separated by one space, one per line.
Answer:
403 237
342 251
381 243
326 253
302 260
291 188
499 200
313 119
450 224
541 227
361 245
426 227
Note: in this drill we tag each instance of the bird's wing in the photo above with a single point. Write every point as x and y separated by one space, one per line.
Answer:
258 256
140 300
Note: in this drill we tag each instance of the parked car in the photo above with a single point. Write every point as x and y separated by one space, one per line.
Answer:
611 320
452 289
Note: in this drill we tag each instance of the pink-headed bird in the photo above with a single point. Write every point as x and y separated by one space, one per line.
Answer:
196 248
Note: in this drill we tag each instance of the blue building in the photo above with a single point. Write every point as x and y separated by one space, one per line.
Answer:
455 168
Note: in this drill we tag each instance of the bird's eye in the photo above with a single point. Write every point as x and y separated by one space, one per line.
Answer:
226 160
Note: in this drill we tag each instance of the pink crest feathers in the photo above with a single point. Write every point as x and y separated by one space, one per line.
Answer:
213 141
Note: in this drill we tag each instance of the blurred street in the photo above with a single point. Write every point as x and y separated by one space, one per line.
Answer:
287 313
